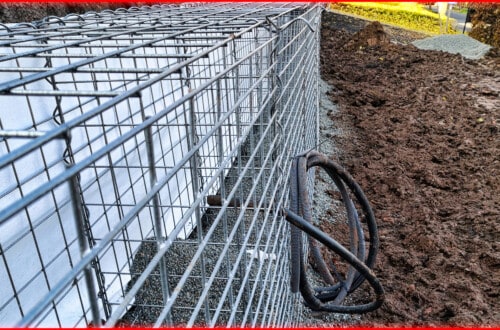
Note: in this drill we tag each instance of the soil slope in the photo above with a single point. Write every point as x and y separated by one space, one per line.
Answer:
425 148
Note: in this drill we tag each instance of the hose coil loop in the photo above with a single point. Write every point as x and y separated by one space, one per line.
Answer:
360 267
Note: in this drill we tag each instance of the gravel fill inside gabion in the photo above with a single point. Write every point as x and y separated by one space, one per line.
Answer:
148 301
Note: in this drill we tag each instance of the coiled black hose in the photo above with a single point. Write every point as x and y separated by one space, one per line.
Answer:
299 214
360 265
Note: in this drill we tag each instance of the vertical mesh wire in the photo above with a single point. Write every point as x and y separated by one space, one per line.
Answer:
116 130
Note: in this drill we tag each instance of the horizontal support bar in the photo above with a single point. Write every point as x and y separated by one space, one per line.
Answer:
66 93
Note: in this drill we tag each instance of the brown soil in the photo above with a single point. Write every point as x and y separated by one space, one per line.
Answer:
425 148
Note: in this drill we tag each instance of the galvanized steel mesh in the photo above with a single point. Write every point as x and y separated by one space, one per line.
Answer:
117 128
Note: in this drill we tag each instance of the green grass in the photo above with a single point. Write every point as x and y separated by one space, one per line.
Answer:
408 15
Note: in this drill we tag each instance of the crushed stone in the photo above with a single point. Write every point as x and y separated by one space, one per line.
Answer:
454 44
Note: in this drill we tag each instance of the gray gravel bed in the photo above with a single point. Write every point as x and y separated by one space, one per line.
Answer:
455 44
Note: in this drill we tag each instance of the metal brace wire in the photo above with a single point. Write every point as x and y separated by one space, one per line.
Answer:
69 160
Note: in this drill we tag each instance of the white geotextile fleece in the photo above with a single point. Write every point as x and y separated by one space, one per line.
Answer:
456 44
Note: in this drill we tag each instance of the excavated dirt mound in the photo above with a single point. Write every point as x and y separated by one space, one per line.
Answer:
373 34
424 145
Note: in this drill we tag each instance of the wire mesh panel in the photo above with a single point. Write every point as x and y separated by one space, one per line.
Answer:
144 156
